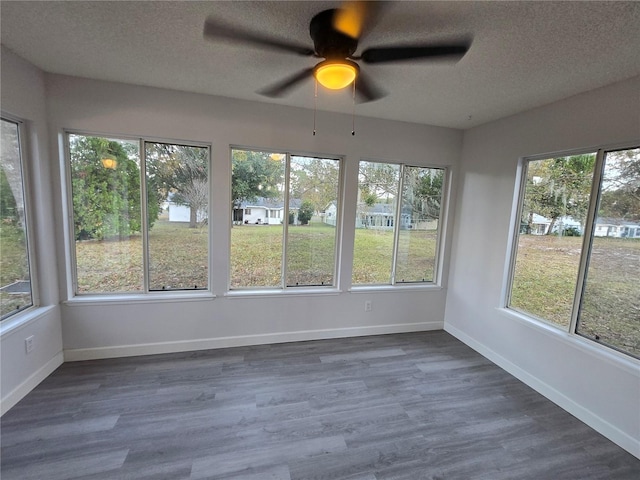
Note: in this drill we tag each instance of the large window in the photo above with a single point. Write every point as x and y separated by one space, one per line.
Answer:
610 303
554 213
125 244
284 220
577 255
15 276
397 236
177 216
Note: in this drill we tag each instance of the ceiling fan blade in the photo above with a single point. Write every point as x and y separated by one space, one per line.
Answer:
350 18
282 87
412 52
366 89
214 30
356 18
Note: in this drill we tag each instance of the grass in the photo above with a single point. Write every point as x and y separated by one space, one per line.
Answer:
13 267
373 256
545 278
177 260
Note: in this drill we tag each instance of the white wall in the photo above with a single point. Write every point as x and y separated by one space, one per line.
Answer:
23 96
599 387
106 328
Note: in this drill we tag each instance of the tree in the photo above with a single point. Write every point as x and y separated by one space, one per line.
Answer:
305 212
621 186
106 201
558 187
314 180
254 175
423 192
181 173
379 180
11 192
8 206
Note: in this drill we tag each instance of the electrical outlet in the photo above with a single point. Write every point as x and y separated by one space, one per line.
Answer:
28 344
368 305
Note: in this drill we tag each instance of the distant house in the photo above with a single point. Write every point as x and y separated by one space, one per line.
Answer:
181 213
380 216
330 214
264 211
540 225
616 228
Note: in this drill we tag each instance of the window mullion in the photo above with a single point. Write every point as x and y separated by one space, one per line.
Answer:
442 221
143 212
587 240
524 172
396 228
285 221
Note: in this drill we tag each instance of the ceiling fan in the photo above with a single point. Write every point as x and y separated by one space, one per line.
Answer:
335 34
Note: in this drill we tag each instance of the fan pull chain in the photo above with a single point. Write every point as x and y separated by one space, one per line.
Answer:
315 107
353 112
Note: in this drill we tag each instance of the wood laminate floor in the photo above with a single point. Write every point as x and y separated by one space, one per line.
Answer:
402 407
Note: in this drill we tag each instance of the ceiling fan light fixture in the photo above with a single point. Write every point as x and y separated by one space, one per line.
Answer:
336 74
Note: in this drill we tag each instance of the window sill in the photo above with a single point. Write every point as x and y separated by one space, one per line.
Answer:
395 288
297 291
124 299
618 359
22 319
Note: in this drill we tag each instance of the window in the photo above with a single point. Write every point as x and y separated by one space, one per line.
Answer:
554 213
177 182
123 244
610 303
15 275
266 250
577 253
396 240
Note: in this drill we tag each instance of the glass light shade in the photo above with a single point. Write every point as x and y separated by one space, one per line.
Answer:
335 74
111 163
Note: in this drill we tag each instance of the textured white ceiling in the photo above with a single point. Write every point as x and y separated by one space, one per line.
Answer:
524 54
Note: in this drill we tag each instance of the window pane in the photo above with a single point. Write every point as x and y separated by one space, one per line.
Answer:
420 215
375 217
107 219
15 279
257 188
554 210
610 309
311 237
177 212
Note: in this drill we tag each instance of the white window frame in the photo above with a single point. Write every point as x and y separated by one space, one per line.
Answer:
587 242
25 168
440 238
146 294
283 287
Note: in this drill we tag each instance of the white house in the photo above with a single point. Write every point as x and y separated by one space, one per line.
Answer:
616 228
380 216
540 225
182 213
330 216
264 211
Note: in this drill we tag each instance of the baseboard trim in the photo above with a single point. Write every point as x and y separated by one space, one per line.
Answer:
30 383
610 431
80 354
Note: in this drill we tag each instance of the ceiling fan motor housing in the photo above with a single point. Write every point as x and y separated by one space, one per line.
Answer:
328 42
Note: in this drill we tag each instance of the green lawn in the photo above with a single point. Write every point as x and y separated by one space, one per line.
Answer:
13 267
545 278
